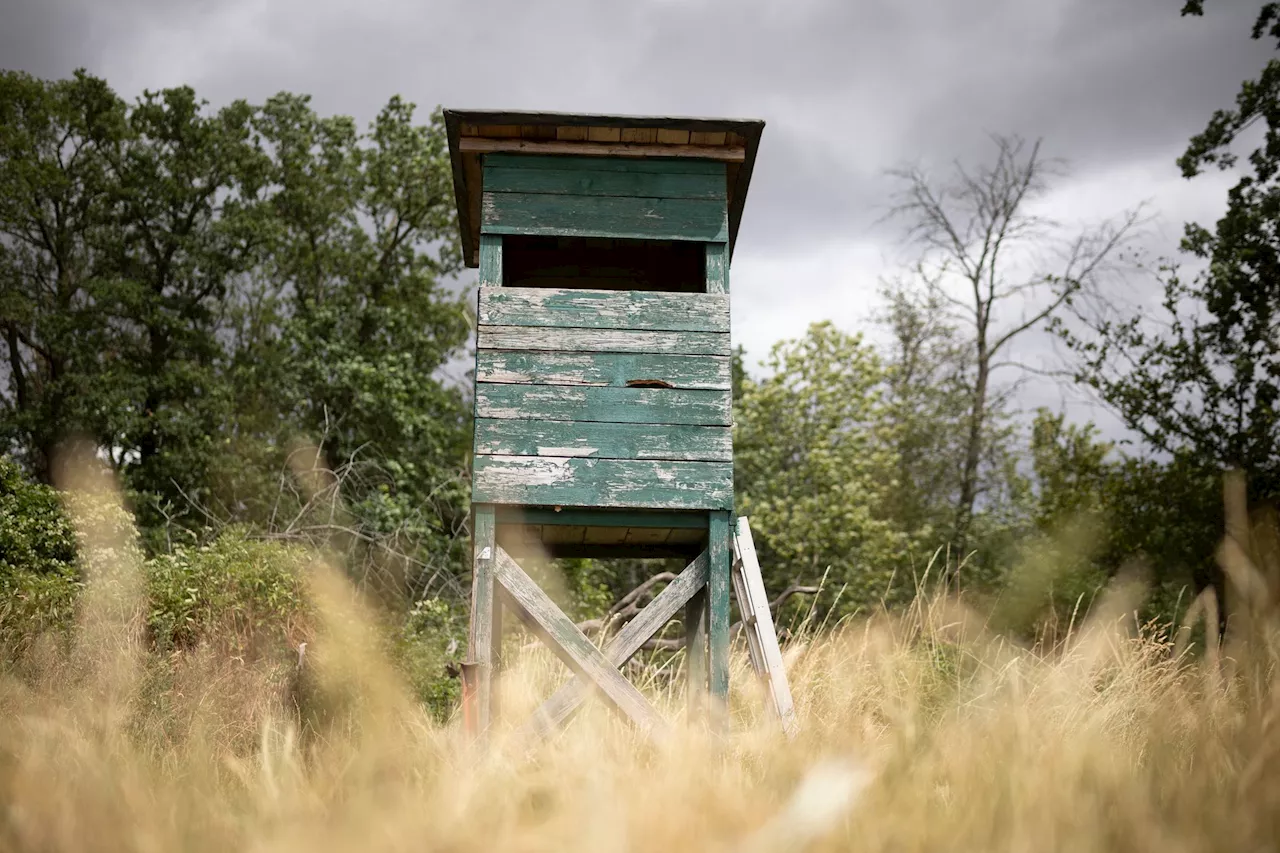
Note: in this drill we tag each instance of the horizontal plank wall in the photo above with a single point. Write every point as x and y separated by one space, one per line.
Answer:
605 197
589 398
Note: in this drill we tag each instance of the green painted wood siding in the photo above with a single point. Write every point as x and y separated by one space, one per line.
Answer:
641 484
520 437
603 197
561 421
604 404
568 308
603 368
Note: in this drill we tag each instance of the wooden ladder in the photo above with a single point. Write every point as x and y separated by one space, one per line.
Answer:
762 639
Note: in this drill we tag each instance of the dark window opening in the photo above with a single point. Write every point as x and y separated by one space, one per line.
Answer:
599 263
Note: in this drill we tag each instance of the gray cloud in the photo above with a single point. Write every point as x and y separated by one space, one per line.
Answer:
848 89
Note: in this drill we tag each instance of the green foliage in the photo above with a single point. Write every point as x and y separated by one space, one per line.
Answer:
428 647
243 595
813 466
39 578
201 292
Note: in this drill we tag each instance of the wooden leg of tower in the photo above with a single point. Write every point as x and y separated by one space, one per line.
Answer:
695 636
720 557
480 647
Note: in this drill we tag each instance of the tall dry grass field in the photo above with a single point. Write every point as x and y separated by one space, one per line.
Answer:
920 731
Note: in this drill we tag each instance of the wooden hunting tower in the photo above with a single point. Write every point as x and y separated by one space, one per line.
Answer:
602 386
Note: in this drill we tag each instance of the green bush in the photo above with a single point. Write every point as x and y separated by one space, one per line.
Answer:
242 595
39 579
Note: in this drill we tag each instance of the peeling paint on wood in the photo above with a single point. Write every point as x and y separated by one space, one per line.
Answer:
611 369
605 404
524 437
604 309
602 482
602 340
717 269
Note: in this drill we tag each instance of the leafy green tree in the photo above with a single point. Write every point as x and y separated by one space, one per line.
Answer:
813 467
1199 382
349 325
55 207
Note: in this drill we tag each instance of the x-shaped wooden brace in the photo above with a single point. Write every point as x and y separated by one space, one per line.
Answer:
593 666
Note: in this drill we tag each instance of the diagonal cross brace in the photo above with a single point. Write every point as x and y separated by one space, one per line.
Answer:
541 615
625 643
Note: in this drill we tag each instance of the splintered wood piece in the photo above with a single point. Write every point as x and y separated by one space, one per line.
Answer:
541 615
754 600
623 645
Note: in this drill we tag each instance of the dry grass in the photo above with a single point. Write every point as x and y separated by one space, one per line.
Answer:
920 732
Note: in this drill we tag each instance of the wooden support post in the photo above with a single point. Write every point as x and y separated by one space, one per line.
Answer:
695 644
541 615
688 585
491 260
720 560
480 637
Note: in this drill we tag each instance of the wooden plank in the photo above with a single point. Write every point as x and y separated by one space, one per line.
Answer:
727 153
602 340
480 634
672 136
624 483
490 263
605 182
695 643
604 536
697 219
645 536
504 131
572 308
640 134
720 556
705 137
571 134
754 605
604 134
630 165
604 404
623 645
543 617
717 268
527 437
604 369
561 534
695 522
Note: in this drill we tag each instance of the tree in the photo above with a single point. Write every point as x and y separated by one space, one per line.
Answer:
1207 380
348 327
986 253
1200 381
813 466
54 210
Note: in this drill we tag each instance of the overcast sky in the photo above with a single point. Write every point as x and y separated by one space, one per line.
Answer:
848 90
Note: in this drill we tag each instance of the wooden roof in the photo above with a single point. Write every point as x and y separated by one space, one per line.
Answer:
475 132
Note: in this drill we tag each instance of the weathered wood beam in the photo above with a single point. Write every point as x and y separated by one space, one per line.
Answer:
480 636
623 645
480 145
541 615
720 558
695 632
